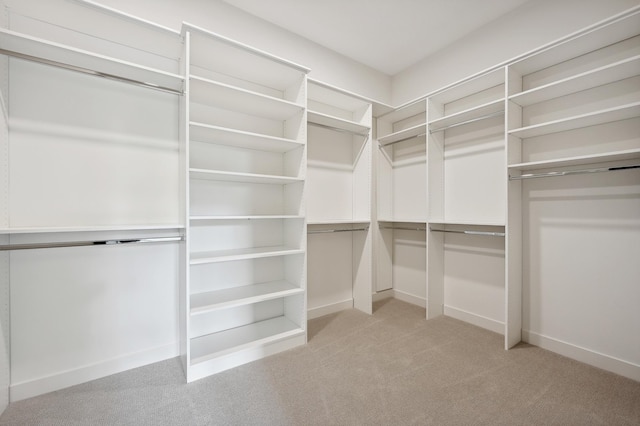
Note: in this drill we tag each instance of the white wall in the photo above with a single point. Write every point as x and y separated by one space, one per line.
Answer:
219 17
533 24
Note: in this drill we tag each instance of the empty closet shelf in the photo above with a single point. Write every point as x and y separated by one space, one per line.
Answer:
65 244
597 77
209 92
50 53
230 297
469 232
241 254
253 217
337 124
403 135
254 335
471 115
584 120
575 172
216 175
240 139
630 154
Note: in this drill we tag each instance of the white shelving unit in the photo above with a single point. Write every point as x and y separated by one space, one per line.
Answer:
467 202
339 183
244 129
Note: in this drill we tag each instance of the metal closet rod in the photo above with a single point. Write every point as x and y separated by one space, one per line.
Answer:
403 139
574 172
330 231
31 246
403 228
462 123
484 233
337 129
89 71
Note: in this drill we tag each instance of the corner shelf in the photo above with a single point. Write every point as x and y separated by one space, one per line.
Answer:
202 132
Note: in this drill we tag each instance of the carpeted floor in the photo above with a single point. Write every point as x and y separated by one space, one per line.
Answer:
392 368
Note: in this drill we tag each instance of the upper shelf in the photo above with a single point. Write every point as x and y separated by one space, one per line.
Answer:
584 120
210 92
629 154
39 50
223 176
97 228
467 116
597 77
237 138
337 123
411 132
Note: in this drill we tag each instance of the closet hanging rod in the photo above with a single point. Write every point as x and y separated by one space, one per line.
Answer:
30 246
484 233
574 172
402 140
462 123
329 231
337 129
89 71
403 228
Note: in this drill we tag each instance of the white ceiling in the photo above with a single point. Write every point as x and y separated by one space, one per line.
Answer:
387 35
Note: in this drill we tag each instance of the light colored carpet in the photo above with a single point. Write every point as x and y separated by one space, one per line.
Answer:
392 368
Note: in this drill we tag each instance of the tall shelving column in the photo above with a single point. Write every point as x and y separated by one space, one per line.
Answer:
402 202
244 130
467 201
339 187
573 111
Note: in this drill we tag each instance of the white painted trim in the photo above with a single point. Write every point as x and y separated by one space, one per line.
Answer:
588 356
19 391
4 399
321 311
410 298
381 295
475 319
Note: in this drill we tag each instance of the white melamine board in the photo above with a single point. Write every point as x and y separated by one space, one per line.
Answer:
409 181
474 177
31 46
581 256
354 222
215 321
384 260
349 105
90 152
253 335
616 71
330 269
584 120
206 156
222 176
242 254
195 219
241 61
409 263
228 97
474 280
4 150
237 138
5 342
90 306
230 297
470 87
466 115
414 131
404 112
213 116
630 154
338 123
97 228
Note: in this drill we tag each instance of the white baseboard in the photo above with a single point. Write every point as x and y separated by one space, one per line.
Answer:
4 399
321 311
477 320
381 295
410 298
31 388
588 356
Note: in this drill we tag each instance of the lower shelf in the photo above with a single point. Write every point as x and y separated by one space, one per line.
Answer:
227 298
219 344
241 254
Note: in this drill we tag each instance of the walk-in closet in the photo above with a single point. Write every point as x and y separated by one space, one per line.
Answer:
217 182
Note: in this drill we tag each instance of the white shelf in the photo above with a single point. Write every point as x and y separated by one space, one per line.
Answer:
107 228
411 221
599 117
222 176
470 86
61 54
465 223
209 92
230 297
336 122
241 139
404 112
255 335
339 222
253 217
467 115
630 154
411 132
242 254
597 77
